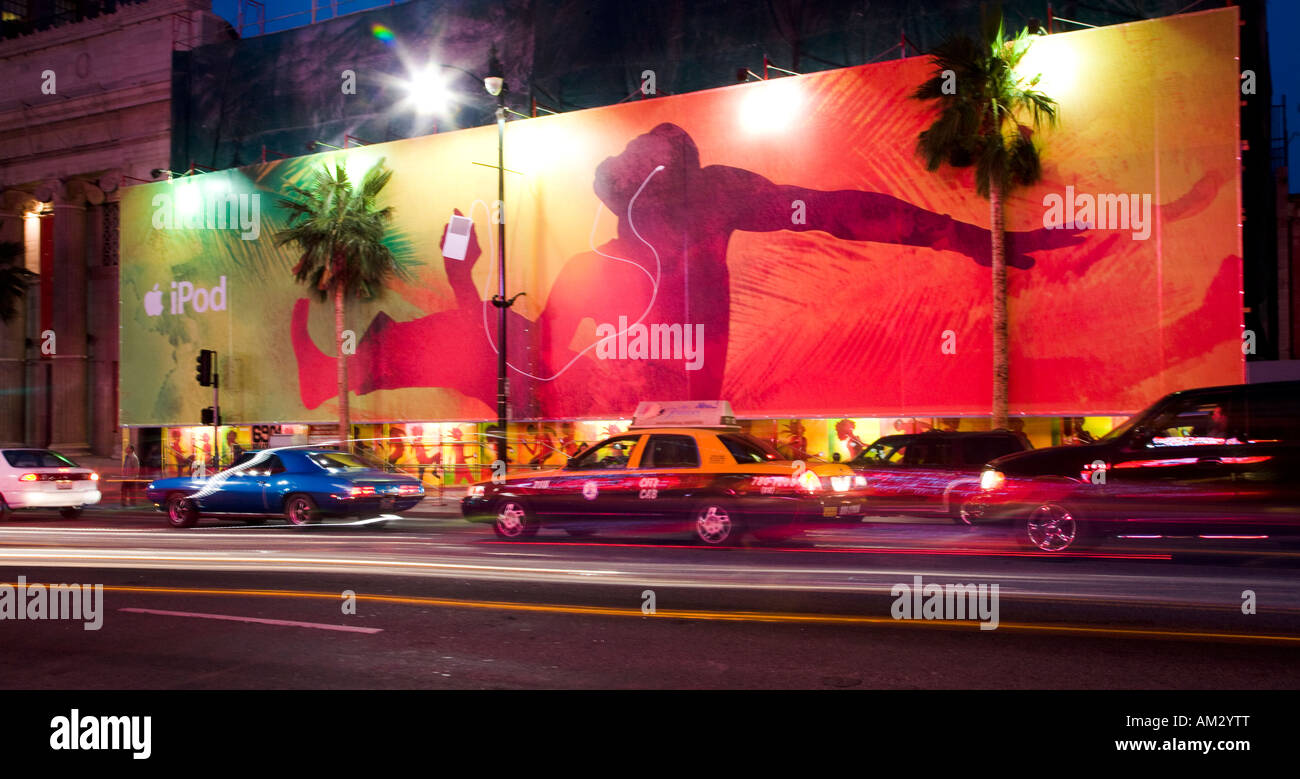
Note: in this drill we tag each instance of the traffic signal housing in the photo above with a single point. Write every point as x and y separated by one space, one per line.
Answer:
203 367
205 417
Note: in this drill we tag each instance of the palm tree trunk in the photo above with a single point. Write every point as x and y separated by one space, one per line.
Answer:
997 234
345 422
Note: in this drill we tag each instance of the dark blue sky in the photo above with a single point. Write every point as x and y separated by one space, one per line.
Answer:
298 11
1283 24
1284 62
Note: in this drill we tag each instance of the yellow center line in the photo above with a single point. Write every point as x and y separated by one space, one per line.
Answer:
720 616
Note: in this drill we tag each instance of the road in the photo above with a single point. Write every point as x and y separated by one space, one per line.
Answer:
440 603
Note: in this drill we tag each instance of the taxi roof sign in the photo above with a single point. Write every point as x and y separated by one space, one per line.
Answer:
684 413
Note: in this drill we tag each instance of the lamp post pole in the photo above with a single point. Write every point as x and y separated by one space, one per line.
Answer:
495 83
502 302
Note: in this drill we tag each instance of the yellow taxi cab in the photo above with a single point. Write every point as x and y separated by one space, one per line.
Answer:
682 467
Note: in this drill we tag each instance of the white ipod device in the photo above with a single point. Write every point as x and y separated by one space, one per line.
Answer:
457 243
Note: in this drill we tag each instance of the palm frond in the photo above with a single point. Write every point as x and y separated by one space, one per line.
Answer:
14 278
339 232
979 123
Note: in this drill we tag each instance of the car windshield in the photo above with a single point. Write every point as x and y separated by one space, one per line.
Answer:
336 462
1128 425
37 458
876 454
746 448
613 453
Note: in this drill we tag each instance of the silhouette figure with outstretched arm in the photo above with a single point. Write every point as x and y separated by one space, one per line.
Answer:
667 266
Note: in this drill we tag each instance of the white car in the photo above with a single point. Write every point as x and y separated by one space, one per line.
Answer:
39 478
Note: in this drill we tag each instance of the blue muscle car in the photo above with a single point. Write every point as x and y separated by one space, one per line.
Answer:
303 485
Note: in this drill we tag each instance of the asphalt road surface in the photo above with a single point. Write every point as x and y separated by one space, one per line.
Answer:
435 602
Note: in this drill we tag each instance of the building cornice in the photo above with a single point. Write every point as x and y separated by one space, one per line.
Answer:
88 104
124 16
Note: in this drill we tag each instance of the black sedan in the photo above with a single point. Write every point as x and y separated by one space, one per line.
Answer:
1217 462
929 474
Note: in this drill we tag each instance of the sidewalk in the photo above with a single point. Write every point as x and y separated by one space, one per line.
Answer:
435 504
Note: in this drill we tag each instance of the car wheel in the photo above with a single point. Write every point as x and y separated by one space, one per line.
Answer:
1052 528
966 513
716 524
70 512
181 511
514 521
301 510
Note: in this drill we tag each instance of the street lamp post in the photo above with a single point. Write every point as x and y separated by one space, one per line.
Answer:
495 83
496 86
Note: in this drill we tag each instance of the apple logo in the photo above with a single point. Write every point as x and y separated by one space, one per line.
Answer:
153 305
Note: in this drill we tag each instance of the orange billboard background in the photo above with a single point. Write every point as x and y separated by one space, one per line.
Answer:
775 244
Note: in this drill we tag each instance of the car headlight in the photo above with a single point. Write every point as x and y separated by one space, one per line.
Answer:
992 480
809 481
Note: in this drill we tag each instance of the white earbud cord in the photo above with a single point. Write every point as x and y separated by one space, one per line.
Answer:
591 240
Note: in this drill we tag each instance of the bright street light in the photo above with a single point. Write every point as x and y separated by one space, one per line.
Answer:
427 90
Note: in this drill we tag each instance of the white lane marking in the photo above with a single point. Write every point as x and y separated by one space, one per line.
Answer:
231 618
191 557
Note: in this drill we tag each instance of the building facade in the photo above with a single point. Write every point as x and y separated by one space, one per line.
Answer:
86 111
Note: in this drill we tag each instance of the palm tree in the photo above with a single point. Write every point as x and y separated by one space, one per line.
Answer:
340 232
981 103
14 278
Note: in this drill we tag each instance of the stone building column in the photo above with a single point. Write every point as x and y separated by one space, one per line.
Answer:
66 411
103 322
15 204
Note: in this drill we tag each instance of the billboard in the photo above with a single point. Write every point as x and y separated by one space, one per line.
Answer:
776 244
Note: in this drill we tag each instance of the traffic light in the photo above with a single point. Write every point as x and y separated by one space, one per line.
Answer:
203 367
205 416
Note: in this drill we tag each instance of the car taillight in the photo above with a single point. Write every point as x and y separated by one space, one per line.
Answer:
992 480
410 489
94 476
28 477
809 481
1088 474
361 492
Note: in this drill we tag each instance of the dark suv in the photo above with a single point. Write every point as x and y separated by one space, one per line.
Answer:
1212 462
928 474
